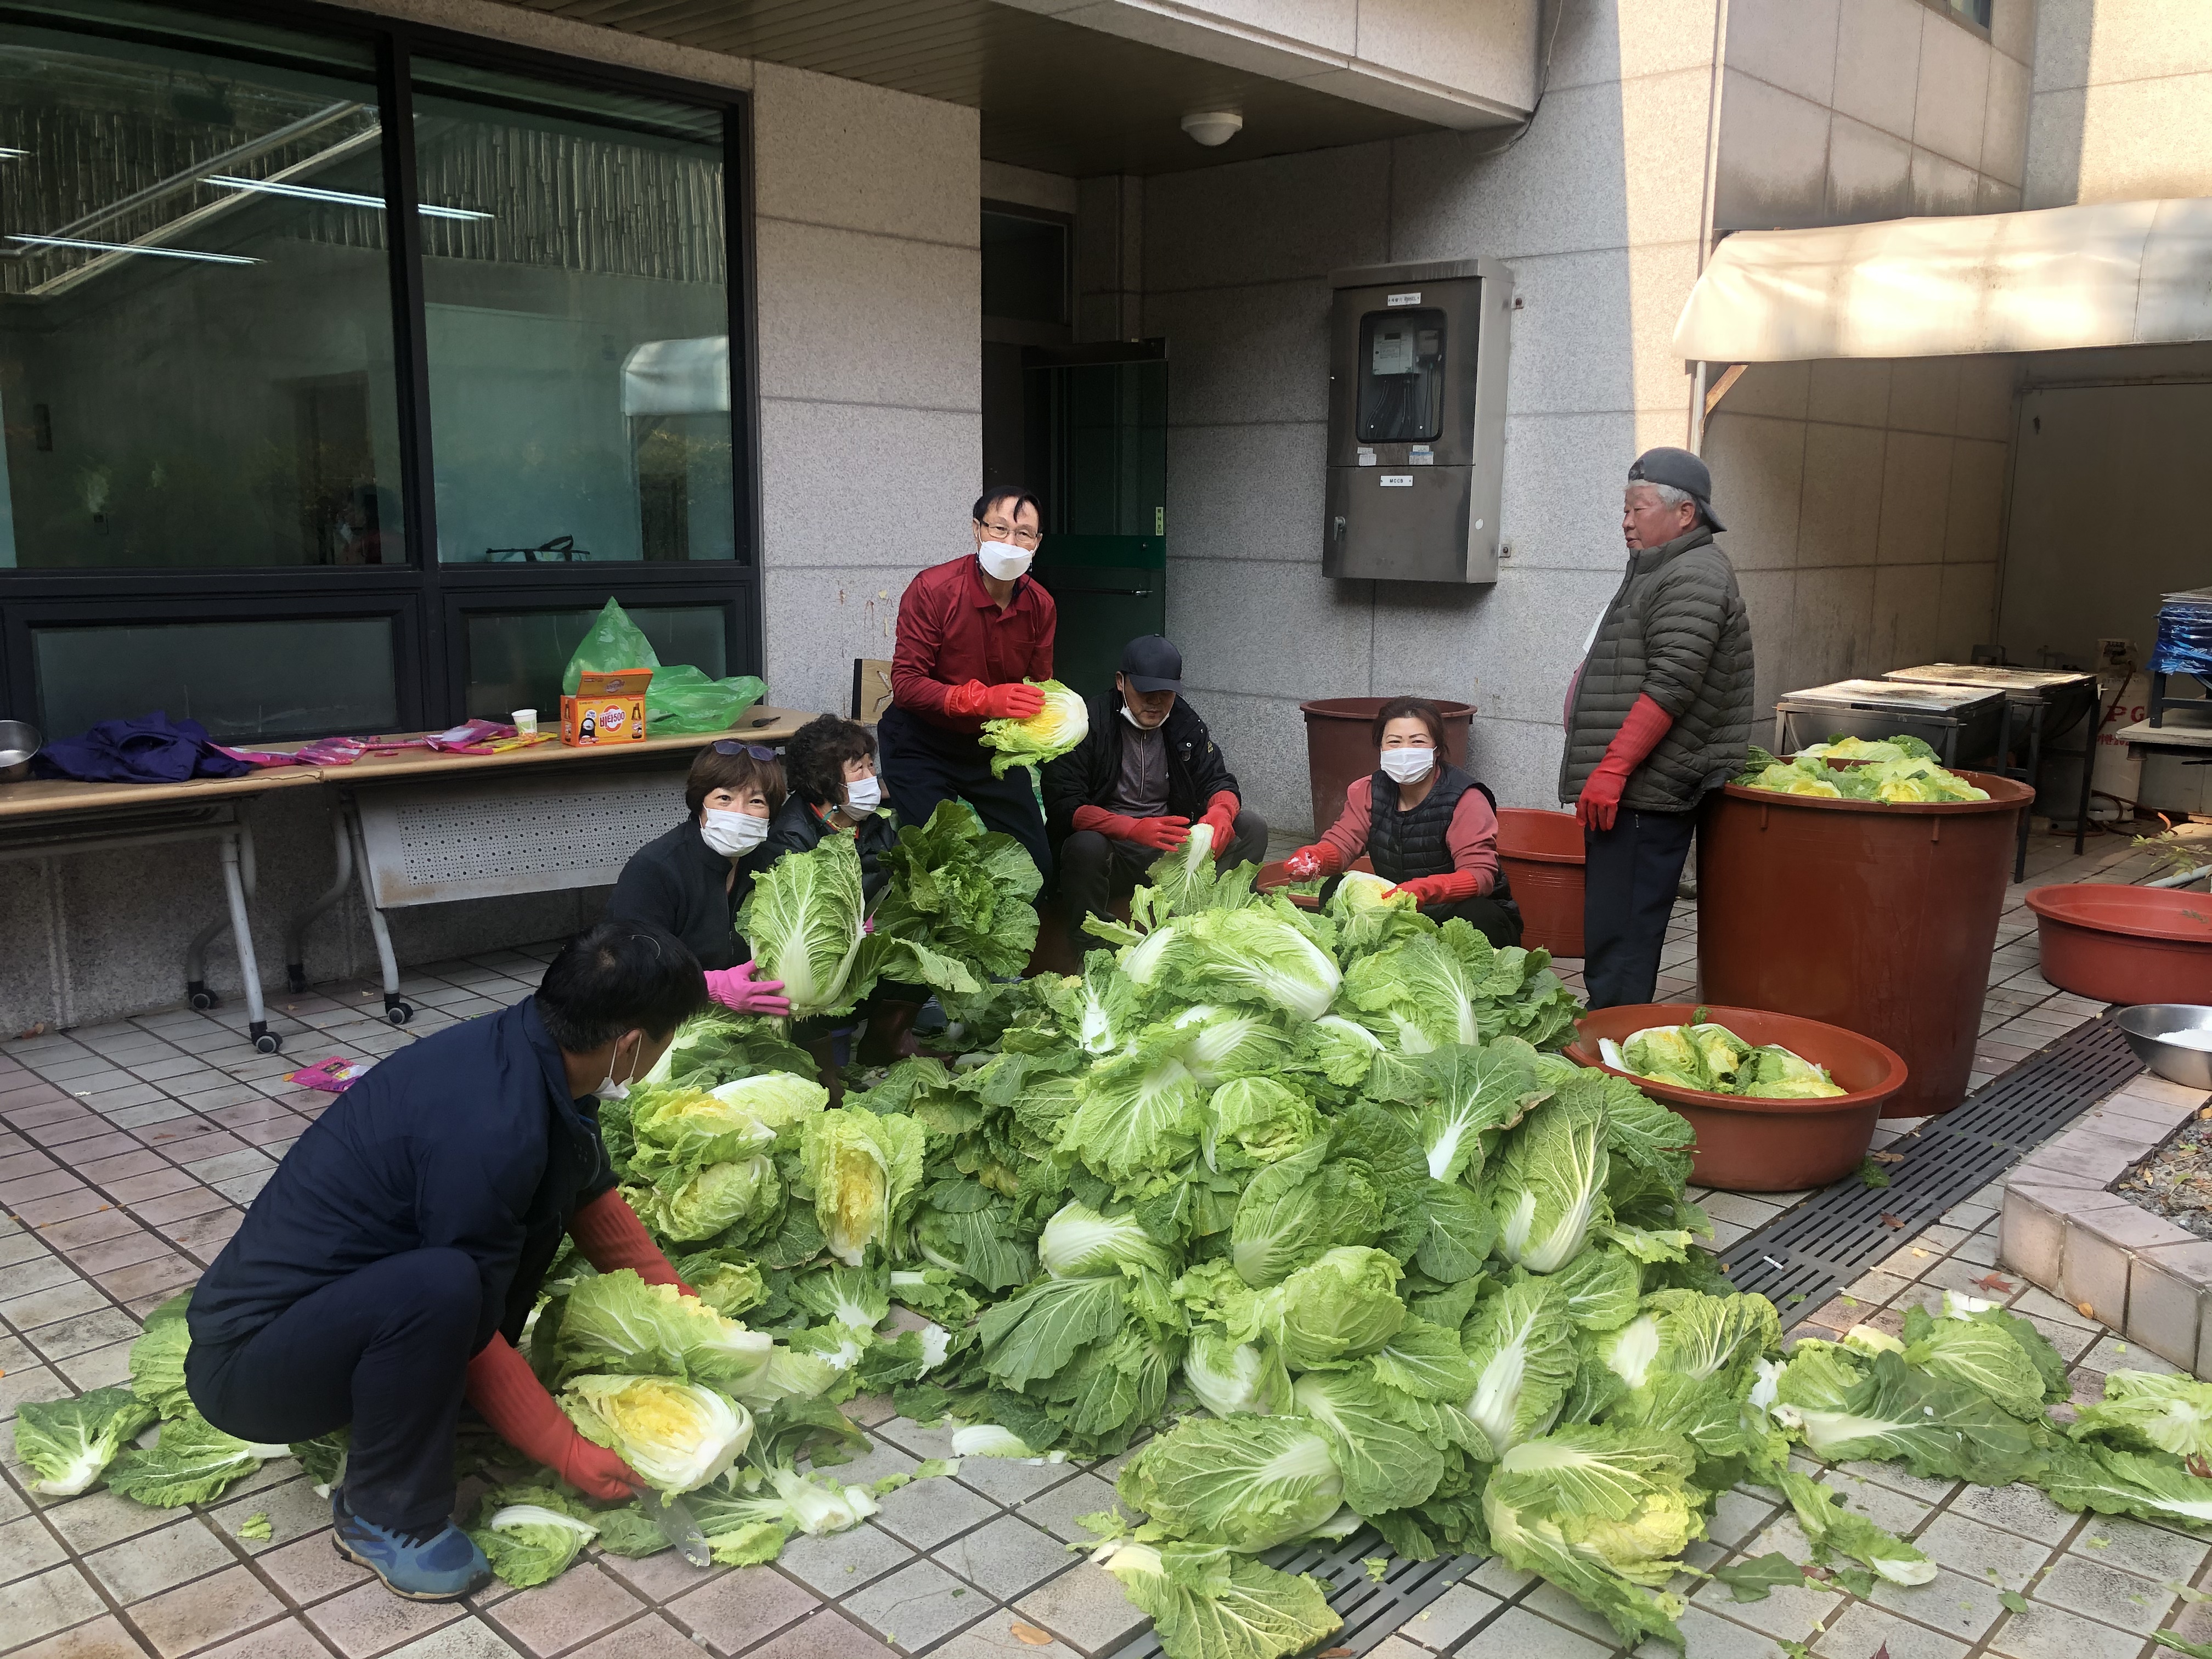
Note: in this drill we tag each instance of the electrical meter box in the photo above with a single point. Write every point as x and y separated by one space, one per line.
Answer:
1417 420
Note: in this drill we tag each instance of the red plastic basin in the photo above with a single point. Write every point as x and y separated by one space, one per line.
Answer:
1746 1145
2125 944
1542 854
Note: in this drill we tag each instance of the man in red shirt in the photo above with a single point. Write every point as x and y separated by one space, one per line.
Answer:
970 630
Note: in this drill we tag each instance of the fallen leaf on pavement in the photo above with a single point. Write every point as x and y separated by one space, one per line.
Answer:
1887 1158
1992 1281
1031 1635
1889 1220
2085 1310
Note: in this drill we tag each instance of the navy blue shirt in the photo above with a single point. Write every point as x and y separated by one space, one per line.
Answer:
467 1140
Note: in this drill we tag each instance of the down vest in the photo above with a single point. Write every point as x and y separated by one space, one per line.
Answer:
1676 631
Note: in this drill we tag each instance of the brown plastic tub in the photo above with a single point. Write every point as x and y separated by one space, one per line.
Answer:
1876 917
1542 854
1749 1145
1341 747
2128 945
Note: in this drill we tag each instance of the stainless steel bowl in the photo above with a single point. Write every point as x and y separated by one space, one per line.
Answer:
19 741
2147 1025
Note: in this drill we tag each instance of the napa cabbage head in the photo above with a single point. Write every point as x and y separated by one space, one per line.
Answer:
677 1125
1232 1378
806 919
1264 1120
1222 1043
775 1100
617 1322
1343 1304
676 1436
1549 1185
864 1169
1256 953
1247 1482
1078 1242
689 1204
1062 723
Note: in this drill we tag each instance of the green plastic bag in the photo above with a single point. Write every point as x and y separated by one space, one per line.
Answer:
682 699
614 643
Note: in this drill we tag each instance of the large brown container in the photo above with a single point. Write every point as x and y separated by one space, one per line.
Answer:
1878 918
1541 854
1341 747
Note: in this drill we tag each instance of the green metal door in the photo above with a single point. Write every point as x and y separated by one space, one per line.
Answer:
1100 429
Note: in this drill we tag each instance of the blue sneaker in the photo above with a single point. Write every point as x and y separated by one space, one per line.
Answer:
442 1567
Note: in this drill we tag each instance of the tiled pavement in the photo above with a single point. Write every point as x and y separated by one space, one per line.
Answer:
129 1152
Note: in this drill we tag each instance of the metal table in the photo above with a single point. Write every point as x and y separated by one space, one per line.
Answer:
420 827
55 817
2048 701
1958 716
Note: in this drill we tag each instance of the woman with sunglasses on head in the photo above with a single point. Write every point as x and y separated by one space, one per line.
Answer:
830 764
692 879
1423 824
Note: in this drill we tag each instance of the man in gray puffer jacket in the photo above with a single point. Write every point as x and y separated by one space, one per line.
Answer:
1659 713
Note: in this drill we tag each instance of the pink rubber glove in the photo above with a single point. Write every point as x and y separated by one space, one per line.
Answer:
736 989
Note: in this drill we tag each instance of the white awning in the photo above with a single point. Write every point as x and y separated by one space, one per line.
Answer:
678 377
2116 273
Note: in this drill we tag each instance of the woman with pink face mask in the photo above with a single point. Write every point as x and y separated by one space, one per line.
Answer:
1423 824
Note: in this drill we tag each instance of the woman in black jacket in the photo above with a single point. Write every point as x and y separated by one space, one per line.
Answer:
692 879
831 766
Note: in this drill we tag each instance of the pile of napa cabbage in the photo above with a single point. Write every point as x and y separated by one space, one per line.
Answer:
1714 1060
1901 769
1308 1198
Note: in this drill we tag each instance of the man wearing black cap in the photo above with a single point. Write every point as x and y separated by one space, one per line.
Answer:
1658 715
1128 792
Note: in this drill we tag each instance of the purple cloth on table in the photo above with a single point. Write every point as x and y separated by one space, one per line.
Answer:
151 748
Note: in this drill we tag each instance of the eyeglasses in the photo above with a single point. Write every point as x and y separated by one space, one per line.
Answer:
732 746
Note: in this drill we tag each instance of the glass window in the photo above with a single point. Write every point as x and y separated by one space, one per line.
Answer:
577 322
260 680
516 658
1401 376
196 358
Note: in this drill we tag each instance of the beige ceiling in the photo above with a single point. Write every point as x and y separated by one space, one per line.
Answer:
1054 95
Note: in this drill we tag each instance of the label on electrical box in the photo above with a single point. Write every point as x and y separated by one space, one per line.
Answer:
1403 299
1420 455
1367 458
1397 480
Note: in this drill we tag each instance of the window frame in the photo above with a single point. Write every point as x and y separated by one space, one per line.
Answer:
427 600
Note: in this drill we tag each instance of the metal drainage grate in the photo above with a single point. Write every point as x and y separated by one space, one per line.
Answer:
1830 1240
1371 1609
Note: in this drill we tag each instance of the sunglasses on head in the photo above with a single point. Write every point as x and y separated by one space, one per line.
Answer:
732 746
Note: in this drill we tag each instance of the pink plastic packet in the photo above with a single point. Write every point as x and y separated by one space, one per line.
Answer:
333 1076
468 734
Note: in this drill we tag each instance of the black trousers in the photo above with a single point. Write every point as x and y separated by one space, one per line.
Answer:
1096 870
1630 875
1498 923
386 1349
924 764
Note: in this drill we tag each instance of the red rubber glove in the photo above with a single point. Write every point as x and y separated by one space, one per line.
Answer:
1319 859
1162 835
1632 745
1221 817
1013 702
514 1402
612 1237
736 989
1442 890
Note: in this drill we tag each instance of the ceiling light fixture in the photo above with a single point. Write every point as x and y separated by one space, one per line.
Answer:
1213 128
137 247
343 198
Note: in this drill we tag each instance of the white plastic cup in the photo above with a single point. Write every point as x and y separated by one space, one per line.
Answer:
526 722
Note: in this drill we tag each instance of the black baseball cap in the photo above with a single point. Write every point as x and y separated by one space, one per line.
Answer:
1680 470
1149 663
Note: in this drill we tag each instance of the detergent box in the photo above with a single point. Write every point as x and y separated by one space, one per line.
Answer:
608 707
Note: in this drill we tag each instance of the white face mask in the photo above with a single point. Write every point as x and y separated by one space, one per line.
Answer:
863 796
733 834
1003 561
1409 765
611 1090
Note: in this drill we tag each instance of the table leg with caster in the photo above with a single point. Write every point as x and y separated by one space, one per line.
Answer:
396 1009
237 883
295 933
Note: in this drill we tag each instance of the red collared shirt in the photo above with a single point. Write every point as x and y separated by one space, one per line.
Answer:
951 631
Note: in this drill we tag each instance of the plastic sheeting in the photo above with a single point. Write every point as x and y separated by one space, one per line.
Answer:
678 377
2115 273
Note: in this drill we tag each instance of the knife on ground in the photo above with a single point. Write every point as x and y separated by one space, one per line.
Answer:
673 1517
